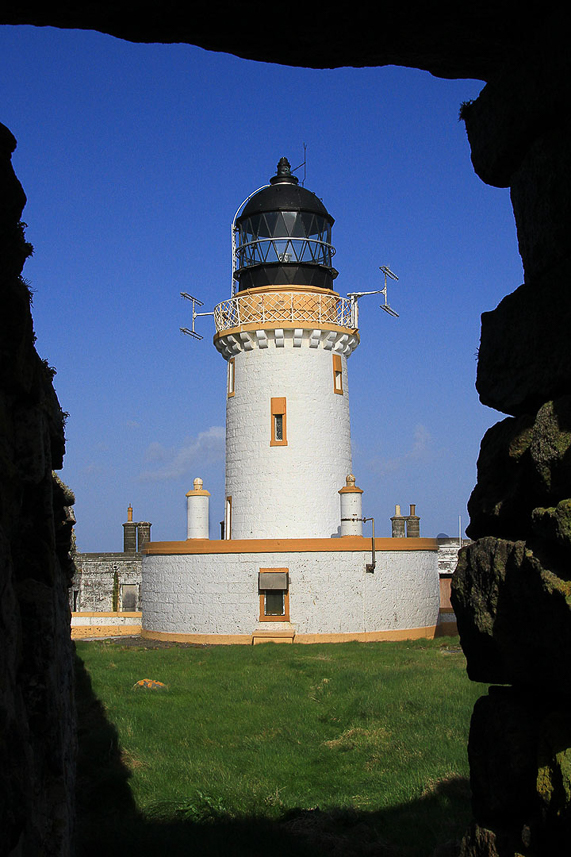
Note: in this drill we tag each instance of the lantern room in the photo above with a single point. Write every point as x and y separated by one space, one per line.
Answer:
284 237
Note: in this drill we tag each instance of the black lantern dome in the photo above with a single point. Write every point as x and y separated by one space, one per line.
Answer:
284 237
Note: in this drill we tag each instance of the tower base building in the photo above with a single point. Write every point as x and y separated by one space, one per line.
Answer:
290 590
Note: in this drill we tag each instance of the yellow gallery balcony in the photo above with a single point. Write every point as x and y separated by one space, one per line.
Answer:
290 306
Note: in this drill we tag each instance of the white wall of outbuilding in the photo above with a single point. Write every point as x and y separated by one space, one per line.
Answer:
330 592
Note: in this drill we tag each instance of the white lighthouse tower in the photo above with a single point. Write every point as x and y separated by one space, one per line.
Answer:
286 336
293 564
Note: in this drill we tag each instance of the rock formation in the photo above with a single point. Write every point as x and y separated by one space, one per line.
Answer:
512 592
512 589
36 691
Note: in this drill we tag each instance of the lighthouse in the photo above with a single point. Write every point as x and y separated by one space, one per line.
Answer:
286 335
292 564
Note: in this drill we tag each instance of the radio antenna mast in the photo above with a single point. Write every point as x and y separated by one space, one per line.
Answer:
303 164
356 295
387 308
195 302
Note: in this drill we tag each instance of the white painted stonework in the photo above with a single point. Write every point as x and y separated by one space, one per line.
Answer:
330 592
288 491
198 516
351 512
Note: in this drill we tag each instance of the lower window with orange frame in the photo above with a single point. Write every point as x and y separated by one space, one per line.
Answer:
273 587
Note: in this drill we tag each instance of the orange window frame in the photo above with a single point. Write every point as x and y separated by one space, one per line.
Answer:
337 374
278 409
262 616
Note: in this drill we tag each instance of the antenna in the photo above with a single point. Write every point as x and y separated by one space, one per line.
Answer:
195 302
356 295
303 164
386 306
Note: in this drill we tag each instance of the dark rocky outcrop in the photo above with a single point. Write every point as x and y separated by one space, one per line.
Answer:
524 463
512 589
36 689
514 594
524 356
449 40
511 593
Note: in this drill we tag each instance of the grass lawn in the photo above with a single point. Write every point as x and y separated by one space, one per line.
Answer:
344 749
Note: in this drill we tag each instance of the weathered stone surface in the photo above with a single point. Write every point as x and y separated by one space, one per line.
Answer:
502 749
519 138
95 575
524 463
553 526
37 737
514 615
550 450
520 774
475 593
498 505
541 204
514 109
554 774
524 357
512 598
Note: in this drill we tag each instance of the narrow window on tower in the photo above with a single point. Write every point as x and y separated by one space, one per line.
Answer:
228 519
273 587
279 427
231 376
278 435
337 375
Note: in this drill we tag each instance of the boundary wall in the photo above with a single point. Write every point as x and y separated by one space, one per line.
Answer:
105 624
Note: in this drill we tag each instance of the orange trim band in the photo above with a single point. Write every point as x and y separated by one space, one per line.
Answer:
347 543
426 632
285 288
78 632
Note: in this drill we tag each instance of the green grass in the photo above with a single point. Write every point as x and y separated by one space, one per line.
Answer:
355 747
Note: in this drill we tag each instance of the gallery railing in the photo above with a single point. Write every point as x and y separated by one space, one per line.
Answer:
285 307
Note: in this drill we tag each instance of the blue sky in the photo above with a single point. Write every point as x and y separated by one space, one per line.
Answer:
134 159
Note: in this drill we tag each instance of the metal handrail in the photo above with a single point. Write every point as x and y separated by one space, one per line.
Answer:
276 307
285 239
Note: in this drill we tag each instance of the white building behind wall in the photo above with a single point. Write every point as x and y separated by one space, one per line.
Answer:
293 564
